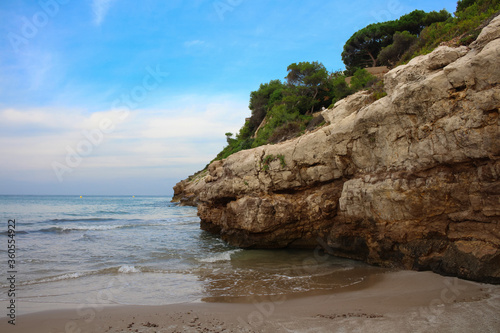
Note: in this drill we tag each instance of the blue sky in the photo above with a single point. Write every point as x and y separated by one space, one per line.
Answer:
129 97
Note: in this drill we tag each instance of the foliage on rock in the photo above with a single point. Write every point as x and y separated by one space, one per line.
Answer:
281 110
364 46
462 29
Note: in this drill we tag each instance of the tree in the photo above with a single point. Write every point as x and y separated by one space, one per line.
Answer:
434 17
413 22
229 138
262 100
462 4
362 49
364 46
340 88
391 54
306 83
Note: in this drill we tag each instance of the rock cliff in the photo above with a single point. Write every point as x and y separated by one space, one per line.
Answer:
411 180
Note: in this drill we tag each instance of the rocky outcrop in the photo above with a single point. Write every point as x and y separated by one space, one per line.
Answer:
186 191
411 180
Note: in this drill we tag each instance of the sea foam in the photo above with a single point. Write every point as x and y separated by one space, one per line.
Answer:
126 269
224 256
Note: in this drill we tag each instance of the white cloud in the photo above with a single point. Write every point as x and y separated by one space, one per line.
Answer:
41 118
212 122
100 9
169 142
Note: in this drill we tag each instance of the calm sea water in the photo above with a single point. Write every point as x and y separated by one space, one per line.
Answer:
145 250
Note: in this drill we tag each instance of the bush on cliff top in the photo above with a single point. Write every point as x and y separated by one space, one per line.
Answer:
364 46
282 110
462 29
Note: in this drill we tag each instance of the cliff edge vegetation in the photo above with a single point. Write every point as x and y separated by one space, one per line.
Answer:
410 180
284 110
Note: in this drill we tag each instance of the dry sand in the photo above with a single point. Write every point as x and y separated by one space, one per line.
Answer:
392 302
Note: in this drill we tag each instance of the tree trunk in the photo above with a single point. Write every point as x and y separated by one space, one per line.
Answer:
373 59
314 98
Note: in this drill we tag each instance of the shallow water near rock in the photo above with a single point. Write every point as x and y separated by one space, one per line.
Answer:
104 250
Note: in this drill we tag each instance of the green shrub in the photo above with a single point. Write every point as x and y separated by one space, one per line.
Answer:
391 54
462 29
362 79
286 131
377 90
279 117
270 158
285 106
281 157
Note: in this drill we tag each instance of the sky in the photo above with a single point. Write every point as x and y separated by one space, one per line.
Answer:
125 97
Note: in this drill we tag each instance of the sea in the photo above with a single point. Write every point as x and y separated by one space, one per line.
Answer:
144 250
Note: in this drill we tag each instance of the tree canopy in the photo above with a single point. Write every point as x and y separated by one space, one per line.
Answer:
306 86
263 100
281 109
364 46
391 54
462 4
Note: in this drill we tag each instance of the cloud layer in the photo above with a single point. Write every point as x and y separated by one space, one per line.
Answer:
144 143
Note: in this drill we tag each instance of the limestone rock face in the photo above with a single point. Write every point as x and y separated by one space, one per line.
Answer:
411 180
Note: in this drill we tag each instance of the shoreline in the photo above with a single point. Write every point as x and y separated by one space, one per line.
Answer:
390 302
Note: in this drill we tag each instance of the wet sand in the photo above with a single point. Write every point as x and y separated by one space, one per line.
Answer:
402 301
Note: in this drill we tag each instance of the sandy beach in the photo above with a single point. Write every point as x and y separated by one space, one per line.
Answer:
401 301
